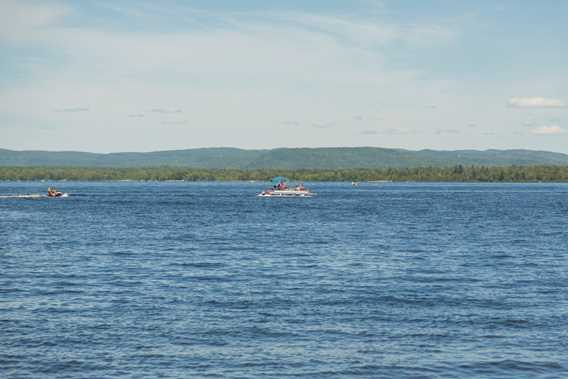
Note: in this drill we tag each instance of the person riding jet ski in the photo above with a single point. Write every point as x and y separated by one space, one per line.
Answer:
52 192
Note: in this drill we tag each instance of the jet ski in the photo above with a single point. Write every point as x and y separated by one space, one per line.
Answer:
52 192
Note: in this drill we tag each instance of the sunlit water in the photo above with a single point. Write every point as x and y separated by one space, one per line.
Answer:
187 280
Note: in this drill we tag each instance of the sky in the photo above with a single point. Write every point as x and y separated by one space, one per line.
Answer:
110 76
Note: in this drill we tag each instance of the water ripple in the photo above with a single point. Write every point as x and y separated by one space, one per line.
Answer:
176 280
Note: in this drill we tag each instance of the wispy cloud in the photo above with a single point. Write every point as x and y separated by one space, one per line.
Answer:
290 123
72 110
175 122
23 21
45 127
235 71
369 132
325 125
535 102
397 131
367 32
447 131
547 130
166 111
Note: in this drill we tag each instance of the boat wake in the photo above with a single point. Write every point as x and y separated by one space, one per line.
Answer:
29 196
32 196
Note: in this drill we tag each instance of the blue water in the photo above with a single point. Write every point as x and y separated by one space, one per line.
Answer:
191 280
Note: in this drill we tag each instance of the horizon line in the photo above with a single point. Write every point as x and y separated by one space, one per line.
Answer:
279 148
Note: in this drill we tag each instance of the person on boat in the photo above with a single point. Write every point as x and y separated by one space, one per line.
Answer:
52 192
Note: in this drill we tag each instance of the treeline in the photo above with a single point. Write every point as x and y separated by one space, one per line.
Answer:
424 174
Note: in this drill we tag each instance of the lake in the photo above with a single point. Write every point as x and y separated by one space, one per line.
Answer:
383 280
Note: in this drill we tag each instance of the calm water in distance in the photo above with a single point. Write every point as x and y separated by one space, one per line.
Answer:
205 280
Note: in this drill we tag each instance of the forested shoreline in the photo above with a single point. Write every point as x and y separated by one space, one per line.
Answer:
457 173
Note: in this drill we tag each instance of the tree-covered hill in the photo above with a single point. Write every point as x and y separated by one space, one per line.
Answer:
285 158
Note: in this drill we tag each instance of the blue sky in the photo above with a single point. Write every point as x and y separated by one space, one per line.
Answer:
108 76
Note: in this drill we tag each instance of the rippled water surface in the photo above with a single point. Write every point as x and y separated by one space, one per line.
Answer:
180 280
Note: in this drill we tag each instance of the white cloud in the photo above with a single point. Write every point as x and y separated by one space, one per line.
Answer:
547 130
535 102
23 22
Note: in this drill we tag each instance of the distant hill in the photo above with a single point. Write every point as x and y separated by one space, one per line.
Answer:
285 158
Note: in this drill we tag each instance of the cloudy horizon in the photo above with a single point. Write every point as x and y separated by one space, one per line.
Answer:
105 76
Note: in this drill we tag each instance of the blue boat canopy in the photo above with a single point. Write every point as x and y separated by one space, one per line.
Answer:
278 179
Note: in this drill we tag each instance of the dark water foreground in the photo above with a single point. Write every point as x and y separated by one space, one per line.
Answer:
190 280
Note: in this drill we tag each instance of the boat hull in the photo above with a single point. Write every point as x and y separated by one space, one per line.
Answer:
286 193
